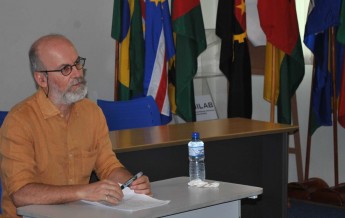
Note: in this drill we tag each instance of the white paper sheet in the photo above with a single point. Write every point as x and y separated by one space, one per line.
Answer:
132 202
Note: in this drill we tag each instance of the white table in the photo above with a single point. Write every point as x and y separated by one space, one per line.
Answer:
186 201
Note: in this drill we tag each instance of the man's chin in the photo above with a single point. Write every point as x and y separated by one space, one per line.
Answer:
72 97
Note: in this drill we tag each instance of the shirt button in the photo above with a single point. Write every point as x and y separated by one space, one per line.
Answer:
70 155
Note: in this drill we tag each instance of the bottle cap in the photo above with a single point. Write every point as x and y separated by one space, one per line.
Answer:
195 135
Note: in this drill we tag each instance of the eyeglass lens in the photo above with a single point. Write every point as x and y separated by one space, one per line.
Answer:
79 64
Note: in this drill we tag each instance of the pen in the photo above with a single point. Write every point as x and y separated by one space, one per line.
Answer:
129 182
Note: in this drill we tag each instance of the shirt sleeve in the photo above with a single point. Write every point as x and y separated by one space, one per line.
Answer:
17 154
106 161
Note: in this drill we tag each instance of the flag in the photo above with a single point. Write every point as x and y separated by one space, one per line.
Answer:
188 25
159 48
322 15
341 29
136 51
121 20
234 56
341 106
278 20
127 30
341 39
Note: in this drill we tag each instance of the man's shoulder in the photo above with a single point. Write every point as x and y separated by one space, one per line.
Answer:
24 105
87 105
21 113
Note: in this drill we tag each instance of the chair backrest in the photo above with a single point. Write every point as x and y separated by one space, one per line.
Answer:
135 113
2 116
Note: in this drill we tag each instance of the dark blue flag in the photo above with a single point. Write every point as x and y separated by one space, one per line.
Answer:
323 14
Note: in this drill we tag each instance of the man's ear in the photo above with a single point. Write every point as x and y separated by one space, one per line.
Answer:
41 79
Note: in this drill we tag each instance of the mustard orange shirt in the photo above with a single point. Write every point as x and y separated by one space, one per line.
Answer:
37 145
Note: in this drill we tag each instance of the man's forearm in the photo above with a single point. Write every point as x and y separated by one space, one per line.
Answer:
46 194
35 193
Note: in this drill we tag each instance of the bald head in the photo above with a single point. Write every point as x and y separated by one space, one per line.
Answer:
48 47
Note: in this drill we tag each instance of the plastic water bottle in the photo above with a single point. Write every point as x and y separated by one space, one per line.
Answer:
196 158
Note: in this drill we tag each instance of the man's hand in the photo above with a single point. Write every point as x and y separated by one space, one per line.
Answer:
105 190
141 185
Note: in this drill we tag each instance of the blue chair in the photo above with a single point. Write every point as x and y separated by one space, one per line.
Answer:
2 116
135 113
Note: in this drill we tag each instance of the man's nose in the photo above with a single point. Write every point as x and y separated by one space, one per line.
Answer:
77 72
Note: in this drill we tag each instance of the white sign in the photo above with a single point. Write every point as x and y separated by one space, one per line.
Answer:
205 108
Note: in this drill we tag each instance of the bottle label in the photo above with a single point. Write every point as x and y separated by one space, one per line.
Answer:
196 151
196 148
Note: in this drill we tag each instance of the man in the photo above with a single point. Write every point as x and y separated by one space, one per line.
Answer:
51 142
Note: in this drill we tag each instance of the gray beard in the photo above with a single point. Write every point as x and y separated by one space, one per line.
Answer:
68 97
72 97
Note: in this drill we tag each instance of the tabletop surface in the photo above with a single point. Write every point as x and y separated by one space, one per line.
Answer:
182 198
175 134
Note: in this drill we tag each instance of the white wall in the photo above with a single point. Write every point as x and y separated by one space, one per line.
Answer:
88 24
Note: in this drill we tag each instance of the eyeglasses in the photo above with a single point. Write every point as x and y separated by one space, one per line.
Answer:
67 69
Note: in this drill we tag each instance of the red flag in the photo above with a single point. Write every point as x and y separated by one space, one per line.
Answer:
341 107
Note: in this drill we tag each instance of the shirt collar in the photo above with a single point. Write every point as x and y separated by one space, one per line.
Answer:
47 107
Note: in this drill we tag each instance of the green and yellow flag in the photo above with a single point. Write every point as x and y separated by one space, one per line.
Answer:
127 29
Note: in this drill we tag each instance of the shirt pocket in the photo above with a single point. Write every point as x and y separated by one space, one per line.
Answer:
86 162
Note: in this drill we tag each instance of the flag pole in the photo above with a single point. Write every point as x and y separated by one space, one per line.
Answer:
116 72
335 107
297 140
273 85
307 159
